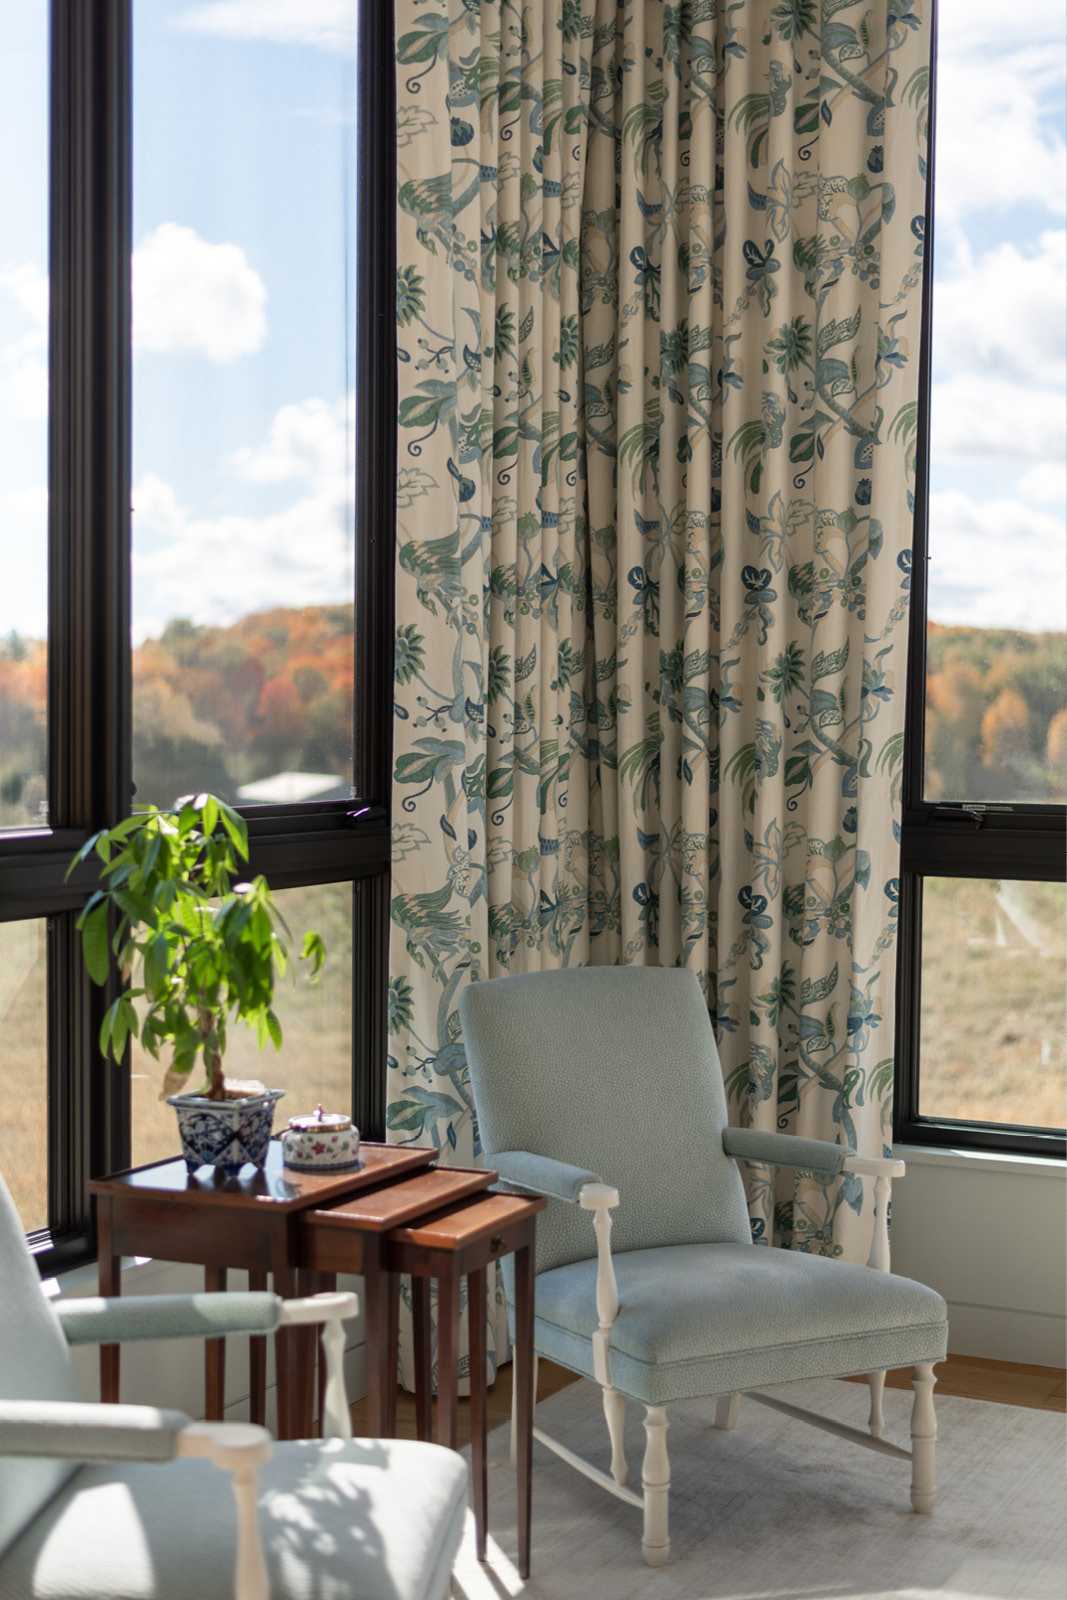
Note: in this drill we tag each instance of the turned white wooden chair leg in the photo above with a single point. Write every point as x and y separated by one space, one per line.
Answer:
615 1413
726 1409
656 1481
923 1439
876 1420
513 1450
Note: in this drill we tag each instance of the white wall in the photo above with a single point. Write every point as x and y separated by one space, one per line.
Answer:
170 1372
990 1234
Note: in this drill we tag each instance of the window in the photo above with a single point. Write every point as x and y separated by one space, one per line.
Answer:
981 987
233 633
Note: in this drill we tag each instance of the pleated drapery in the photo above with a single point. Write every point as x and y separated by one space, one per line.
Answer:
658 303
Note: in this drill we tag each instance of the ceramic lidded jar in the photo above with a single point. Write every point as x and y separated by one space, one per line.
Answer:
325 1141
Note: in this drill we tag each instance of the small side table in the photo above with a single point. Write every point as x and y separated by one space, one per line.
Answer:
248 1222
457 1243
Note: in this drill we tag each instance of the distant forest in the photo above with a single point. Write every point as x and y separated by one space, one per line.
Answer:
218 707
996 726
213 708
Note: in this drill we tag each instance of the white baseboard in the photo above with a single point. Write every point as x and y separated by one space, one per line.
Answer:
997 1334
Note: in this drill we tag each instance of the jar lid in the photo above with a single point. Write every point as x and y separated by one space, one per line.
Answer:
326 1121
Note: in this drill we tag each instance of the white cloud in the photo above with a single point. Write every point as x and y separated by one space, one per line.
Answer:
28 286
328 24
996 564
999 134
192 295
24 361
1002 312
216 569
28 508
309 441
1045 484
972 418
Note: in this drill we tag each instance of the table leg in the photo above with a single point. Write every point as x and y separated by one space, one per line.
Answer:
257 1361
391 1284
476 1316
110 1280
524 1380
285 1356
324 1283
214 1355
380 1321
447 1352
420 1317
306 1342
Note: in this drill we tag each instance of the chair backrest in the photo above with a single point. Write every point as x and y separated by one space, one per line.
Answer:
613 1069
35 1364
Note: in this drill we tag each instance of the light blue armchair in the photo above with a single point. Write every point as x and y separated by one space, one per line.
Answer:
124 1502
601 1088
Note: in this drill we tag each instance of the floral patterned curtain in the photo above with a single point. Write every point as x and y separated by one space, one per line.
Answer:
658 317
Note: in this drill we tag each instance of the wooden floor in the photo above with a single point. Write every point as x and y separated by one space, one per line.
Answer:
1041 1388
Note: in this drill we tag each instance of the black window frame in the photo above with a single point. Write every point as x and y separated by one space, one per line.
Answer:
956 839
89 709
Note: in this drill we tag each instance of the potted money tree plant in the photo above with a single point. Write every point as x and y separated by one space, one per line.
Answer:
198 951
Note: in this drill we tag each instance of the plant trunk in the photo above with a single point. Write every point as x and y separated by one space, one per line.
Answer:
216 1089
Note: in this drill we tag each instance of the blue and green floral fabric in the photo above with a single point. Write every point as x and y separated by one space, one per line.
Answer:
658 303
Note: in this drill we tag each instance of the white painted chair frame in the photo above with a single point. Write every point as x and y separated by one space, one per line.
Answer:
655 1474
241 1448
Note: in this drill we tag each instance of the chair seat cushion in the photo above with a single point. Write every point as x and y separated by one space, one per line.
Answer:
366 1519
713 1319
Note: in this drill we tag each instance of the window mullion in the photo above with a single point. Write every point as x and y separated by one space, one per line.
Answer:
89 544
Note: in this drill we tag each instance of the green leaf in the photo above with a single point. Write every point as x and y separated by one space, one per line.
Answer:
94 943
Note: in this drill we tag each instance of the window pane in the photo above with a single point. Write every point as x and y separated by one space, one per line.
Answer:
243 502
23 413
314 1065
993 1001
24 1069
997 652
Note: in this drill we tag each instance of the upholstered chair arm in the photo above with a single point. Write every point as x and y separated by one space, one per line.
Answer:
820 1156
212 1316
166 1316
783 1150
78 1430
70 1430
521 1169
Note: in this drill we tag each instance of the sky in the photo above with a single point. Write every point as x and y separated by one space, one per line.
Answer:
998 478
243 309
244 312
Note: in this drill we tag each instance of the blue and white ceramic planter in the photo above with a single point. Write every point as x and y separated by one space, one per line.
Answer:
225 1133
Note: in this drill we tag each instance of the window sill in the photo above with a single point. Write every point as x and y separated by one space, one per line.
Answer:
135 1271
917 1155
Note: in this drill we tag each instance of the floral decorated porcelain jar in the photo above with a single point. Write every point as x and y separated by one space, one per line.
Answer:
325 1141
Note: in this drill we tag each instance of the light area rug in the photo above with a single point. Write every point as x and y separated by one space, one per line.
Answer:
777 1510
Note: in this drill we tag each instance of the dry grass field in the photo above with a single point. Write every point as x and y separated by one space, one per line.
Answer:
993 1004
994 964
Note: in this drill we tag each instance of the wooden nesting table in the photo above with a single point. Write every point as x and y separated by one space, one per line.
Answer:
396 1213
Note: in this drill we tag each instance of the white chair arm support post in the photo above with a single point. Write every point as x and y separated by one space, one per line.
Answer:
332 1310
601 1199
239 1448
883 1172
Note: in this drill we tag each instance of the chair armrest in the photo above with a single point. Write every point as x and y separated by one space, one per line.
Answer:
77 1430
783 1150
521 1169
874 1166
167 1316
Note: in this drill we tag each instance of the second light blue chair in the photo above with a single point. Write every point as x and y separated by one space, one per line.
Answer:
126 1502
601 1088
